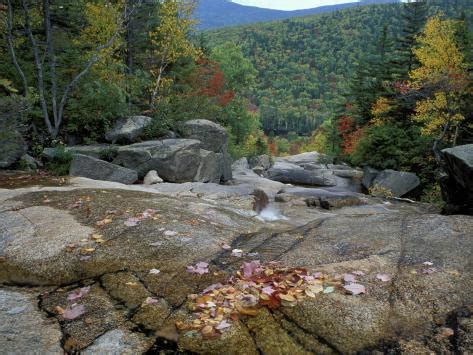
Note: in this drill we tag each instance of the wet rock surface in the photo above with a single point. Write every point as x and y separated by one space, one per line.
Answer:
121 253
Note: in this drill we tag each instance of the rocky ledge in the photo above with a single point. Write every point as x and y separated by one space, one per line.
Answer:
101 267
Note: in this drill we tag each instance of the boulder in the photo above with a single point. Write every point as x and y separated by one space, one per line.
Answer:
263 161
369 174
457 186
128 129
290 173
30 163
213 137
92 168
303 158
152 178
12 147
398 182
24 329
240 164
99 151
175 160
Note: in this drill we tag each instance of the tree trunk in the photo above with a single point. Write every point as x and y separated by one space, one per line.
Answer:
11 48
39 70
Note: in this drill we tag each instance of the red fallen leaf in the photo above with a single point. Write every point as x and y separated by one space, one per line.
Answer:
272 303
74 311
355 289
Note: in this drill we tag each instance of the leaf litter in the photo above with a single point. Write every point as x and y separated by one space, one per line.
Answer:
255 285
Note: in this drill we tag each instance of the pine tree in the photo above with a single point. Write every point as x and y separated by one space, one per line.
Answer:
414 15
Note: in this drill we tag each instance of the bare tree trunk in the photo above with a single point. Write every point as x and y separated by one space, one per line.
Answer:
11 48
437 141
52 64
39 70
457 133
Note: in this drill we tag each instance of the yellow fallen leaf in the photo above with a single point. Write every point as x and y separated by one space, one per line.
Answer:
309 293
131 284
103 222
87 250
264 296
289 298
316 288
59 310
97 236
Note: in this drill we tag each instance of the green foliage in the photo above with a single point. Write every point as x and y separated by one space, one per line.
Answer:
61 162
94 108
392 146
108 154
305 64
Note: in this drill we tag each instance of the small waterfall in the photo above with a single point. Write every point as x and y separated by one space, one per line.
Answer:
270 214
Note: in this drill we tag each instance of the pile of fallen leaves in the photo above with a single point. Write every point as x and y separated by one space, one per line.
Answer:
255 285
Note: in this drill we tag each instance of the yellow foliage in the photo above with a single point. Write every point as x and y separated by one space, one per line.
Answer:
380 108
103 18
169 39
442 74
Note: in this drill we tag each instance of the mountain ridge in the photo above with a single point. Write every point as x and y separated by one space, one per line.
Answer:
213 14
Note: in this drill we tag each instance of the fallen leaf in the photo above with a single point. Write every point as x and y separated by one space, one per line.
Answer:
383 277
268 290
78 294
349 278
199 268
309 293
74 311
103 222
170 233
59 310
288 298
226 247
355 289
223 325
428 263
251 268
329 289
154 271
151 300
316 288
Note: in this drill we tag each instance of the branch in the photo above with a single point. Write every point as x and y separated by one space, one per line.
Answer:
52 61
94 59
39 68
12 48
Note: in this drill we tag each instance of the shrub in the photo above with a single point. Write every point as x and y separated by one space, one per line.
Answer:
61 163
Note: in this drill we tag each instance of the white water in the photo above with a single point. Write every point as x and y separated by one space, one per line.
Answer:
270 214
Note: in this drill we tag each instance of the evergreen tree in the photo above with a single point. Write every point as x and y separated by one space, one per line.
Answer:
413 17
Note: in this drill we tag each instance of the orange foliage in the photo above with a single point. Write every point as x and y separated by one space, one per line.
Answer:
211 81
351 140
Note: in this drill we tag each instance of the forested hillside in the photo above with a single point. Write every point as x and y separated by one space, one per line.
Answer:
305 65
221 13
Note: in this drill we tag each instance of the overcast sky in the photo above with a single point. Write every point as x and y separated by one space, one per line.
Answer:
290 4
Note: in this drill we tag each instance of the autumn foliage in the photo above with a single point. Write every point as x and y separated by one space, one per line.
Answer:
211 81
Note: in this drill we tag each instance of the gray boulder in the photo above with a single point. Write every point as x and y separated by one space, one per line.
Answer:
293 174
213 137
99 151
369 174
175 160
12 147
128 129
25 329
240 164
263 161
303 158
30 163
92 168
398 182
457 186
